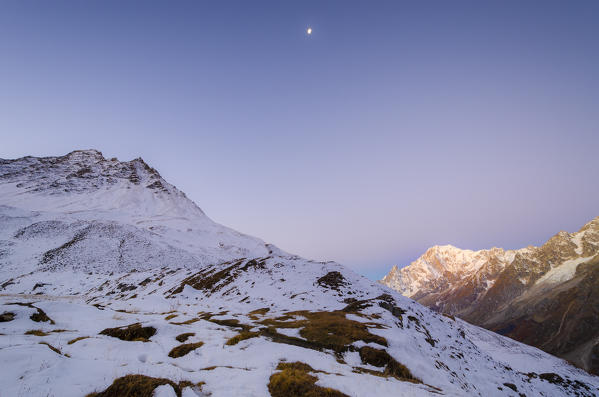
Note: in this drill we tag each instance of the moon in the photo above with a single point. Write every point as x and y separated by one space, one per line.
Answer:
309 31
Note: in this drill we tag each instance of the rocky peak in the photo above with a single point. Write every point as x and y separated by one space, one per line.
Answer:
85 155
558 248
79 171
85 179
442 265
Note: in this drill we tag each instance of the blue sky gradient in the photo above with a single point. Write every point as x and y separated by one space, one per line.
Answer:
394 127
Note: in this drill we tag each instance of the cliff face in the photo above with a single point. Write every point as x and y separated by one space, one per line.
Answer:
544 296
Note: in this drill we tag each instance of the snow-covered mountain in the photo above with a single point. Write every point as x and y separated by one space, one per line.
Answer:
112 282
545 296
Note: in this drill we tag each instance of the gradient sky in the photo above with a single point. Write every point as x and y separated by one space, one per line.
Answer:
394 127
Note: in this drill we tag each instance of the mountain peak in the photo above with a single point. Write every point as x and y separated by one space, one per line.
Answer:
91 192
83 180
79 171
500 289
85 153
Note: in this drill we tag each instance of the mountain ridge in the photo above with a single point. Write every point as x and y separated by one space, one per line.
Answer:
506 287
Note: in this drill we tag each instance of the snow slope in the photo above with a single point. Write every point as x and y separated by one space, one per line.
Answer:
95 244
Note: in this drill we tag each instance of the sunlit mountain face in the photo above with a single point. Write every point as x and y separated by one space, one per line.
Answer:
543 296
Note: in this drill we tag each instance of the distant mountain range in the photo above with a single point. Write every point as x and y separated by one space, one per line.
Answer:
545 296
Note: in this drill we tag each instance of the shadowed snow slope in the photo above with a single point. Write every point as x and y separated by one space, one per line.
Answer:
106 270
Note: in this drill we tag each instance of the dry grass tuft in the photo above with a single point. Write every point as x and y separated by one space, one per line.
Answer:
361 370
77 339
400 371
55 350
36 332
297 365
243 335
380 358
183 337
170 316
141 386
187 322
6 317
229 322
258 312
40 316
131 333
261 312
375 357
182 350
295 381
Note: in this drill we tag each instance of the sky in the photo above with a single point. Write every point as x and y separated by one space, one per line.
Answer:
394 126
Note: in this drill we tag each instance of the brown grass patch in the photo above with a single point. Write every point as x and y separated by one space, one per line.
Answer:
295 381
380 358
258 312
183 337
243 335
182 350
375 357
261 312
6 317
36 332
170 316
186 322
362 370
55 350
297 365
77 339
40 316
131 333
140 386
400 371
229 322
325 330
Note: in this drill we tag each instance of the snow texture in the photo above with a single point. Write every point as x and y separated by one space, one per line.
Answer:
97 243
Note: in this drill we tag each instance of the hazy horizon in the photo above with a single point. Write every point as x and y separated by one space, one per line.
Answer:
392 128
